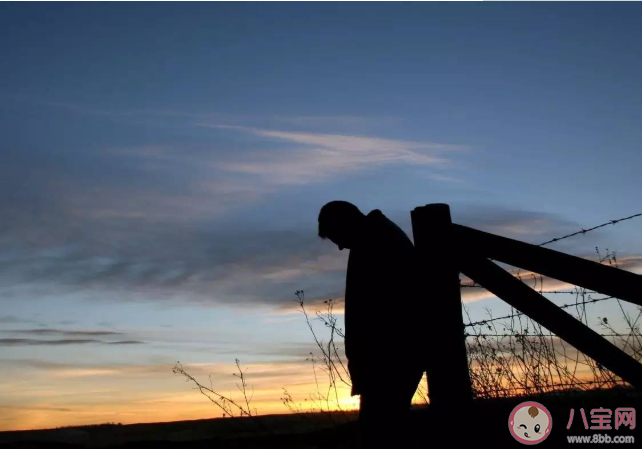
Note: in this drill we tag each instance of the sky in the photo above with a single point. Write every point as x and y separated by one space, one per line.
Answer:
162 167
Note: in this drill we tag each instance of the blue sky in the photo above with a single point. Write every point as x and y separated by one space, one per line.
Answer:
163 165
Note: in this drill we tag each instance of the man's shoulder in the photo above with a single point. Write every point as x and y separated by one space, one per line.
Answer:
380 225
375 219
375 213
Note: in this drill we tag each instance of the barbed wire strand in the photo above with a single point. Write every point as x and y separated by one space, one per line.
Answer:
557 239
518 314
584 231
482 335
523 335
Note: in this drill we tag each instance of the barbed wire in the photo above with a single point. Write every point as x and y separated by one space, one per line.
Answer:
517 314
522 335
584 231
476 334
546 292
557 239
552 387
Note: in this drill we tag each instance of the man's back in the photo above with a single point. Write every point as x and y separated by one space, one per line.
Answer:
381 302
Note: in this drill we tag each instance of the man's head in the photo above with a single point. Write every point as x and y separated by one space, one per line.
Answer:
340 222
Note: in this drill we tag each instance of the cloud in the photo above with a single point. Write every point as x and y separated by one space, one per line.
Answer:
202 199
69 246
33 342
243 265
68 333
13 319
312 306
35 408
533 280
62 342
220 371
69 337
337 121
527 225
631 263
317 157
170 223
66 322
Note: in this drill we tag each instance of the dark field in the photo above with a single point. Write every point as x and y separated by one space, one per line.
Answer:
486 422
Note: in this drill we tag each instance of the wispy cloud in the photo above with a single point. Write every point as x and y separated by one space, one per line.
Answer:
631 263
62 342
337 121
320 156
125 342
34 342
35 408
13 319
532 226
533 280
68 337
69 333
242 266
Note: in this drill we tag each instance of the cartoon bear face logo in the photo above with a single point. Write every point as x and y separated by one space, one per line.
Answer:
530 423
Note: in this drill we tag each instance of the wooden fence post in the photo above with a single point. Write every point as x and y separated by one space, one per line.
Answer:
438 277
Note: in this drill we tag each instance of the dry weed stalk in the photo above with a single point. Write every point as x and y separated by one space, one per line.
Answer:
514 355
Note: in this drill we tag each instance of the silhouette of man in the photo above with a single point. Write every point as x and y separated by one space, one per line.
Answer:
382 314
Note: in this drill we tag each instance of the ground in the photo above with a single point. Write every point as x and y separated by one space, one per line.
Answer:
485 422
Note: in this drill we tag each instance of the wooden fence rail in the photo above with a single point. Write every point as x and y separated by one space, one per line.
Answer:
445 249
564 267
526 300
